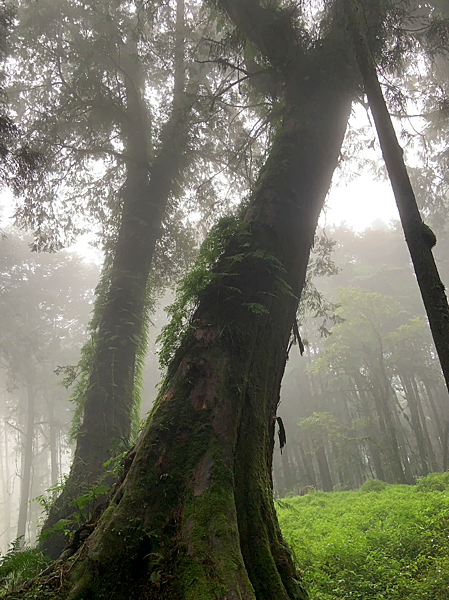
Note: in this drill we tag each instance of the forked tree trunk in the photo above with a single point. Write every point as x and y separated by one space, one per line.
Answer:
108 406
194 517
420 239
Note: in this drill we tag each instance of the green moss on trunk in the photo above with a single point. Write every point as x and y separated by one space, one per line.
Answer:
194 516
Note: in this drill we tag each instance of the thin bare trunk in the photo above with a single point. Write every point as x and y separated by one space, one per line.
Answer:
27 459
425 430
420 239
52 440
415 422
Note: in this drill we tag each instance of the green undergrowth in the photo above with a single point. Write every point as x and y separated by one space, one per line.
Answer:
19 564
383 541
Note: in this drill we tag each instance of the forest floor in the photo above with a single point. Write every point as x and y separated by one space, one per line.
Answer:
388 542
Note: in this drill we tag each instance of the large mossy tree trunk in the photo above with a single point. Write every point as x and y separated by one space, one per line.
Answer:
194 518
109 400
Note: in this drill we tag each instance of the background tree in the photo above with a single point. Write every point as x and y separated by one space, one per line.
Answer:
420 238
210 435
377 344
44 311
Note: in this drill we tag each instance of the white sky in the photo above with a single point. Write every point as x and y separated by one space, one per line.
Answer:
357 204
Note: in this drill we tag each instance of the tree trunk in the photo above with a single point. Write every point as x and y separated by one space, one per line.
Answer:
194 516
415 422
308 466
371 431
445 446
53 442
387 394
289 481
109 401
425 429
27 459
419 237
6 496
323 466
438 422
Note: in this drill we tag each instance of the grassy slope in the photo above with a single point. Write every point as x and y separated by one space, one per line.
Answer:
388 544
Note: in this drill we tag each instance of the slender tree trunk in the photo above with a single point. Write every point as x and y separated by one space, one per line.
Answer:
376 458
52 440
407 457
194 516
445 446
308 466
415 422
6 496
438 423
27 459
287 471
372 431
420 239
388 407
425 430
323 465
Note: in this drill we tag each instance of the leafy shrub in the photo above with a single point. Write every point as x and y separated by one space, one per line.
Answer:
373 485
436 482
18 565
390 545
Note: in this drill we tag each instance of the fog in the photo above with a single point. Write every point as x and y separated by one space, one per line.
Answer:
202 259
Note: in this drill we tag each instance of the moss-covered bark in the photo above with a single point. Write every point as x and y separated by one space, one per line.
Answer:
194 519
108 403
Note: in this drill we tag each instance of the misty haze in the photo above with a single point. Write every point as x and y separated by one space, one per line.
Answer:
224 330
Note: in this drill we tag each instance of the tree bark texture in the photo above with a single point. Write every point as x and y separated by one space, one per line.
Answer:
108 405
193 518
420 239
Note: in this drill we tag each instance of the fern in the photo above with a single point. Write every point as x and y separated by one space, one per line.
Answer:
188 292
18 565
